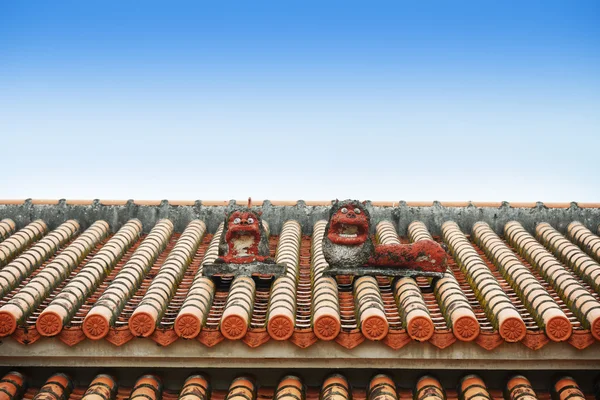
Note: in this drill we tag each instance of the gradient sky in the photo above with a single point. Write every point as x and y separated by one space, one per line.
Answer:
454 100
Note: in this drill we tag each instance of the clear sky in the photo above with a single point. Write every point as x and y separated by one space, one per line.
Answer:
429 100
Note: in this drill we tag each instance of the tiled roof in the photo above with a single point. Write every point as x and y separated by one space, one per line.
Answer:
145 280
59 386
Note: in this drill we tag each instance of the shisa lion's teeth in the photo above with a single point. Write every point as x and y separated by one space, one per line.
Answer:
348 235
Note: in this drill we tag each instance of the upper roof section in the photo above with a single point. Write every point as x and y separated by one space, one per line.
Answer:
82 273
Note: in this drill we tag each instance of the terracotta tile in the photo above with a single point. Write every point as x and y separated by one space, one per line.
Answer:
22 304
585 239
18 242
570 254
237 314
103 387
106 202
531 292
419 203
454 203
583 304
281 318
7 228
79 202
9 202
182 202
13 385
472 386
519 387
567 388
499 306
155 301
370 308
335 387
58 387
66 303
147 387
196 387
109 304
147 202
588 205
428 387
44 202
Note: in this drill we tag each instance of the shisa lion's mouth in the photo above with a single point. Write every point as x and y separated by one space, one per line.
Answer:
242 242
348 231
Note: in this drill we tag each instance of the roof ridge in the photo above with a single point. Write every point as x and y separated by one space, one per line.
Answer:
210 203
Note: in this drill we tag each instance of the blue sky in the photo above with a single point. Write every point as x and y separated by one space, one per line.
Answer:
301 100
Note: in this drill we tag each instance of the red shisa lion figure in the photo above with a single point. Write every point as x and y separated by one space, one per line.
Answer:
244 239
244 248
348 248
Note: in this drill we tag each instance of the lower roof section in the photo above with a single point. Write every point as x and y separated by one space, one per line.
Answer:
290 385
187 353
41 385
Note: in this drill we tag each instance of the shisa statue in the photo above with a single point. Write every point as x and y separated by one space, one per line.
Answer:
349 249
244 247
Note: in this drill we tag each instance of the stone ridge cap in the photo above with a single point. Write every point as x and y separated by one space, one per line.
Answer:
448 204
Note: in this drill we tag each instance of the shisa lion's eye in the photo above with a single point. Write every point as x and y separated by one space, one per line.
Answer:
357 211
344 210
250 220
237 221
